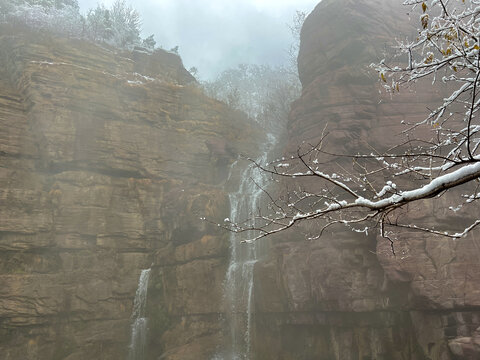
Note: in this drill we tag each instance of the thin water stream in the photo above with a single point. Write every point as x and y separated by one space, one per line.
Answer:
138 338
239 280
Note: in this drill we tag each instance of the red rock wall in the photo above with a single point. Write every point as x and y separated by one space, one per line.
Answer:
107 162
346 296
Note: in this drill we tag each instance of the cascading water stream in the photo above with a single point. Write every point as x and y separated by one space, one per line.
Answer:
239 282
139 321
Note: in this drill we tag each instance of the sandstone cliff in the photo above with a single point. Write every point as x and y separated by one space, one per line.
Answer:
107 161
346 296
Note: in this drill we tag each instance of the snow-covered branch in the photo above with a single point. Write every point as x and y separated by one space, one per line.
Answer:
340 201
372 194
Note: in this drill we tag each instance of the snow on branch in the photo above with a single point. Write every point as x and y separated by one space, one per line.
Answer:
370 196
341 202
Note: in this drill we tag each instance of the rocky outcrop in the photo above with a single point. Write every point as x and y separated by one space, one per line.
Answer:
107 162
347 296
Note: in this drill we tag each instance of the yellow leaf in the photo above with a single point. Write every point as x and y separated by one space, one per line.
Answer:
424 7
455 68
476 47
397 87
383 77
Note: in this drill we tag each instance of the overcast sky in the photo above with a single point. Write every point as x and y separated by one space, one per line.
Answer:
214 35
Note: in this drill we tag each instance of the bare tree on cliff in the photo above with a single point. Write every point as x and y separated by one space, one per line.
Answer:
119 25
439 153
264 93
295 28
63 16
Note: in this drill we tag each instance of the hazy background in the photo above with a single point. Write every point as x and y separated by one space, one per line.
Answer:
214 35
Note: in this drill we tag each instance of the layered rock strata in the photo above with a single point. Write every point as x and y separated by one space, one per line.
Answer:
347 296
107 162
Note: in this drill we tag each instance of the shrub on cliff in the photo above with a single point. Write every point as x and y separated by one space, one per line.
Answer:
60 16
125 25
98 24
118 25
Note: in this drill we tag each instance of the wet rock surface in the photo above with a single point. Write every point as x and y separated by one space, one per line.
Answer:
345 295
107 162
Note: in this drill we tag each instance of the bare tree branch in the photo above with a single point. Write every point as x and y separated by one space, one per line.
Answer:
417 168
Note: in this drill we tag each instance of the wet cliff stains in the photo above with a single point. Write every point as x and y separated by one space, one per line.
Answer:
106 166
346 296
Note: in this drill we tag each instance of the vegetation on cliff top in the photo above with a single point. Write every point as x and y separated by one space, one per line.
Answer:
119 25
263 92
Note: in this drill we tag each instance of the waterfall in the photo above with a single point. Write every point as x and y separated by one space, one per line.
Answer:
239 280
139 321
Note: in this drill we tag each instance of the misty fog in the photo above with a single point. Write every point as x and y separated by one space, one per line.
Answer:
239 180
216 35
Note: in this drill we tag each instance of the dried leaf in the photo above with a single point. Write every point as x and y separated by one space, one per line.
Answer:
424 20
424 7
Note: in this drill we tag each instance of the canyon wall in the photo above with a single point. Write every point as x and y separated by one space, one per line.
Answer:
346 295
108 160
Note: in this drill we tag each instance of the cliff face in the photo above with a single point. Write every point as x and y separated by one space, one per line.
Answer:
107 162
346 296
